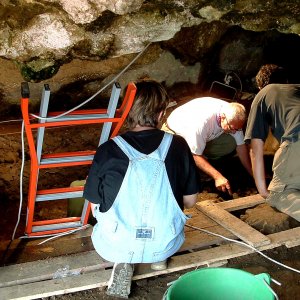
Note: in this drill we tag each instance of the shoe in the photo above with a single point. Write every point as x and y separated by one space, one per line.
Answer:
119 284
159 266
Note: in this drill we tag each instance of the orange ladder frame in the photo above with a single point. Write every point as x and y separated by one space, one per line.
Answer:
54 226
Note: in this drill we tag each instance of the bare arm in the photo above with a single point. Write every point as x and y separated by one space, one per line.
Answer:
221 182
243 154
190 200
258 166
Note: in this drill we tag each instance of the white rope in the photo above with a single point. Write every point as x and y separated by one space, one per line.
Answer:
13 120
21 182
245 245
64 233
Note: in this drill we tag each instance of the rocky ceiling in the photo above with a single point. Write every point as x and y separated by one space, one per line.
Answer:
77 46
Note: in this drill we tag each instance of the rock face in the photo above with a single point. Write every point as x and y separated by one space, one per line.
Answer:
68 42
79 46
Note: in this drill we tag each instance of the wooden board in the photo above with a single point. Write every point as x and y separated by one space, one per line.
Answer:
196 240
99 278
51 268
233 224
241 203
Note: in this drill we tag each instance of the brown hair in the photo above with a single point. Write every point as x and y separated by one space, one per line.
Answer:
150 100
270 73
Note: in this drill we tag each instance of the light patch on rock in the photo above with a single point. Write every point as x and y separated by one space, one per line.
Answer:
295 28
120 7
100 42
46 36
210 13
47 32
87 11
5 37
165 69
80 11
132 32
38 65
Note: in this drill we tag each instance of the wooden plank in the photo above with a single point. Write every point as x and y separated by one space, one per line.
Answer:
291 244
241 203
196 240
233 224
51 268
53 287
30 252
91 277
177 263
199 219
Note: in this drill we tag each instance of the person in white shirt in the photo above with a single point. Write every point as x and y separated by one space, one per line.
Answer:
212 129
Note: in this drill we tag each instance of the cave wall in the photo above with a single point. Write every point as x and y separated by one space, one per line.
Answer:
78 46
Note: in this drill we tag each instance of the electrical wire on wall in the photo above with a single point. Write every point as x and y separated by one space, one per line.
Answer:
97 93
228 79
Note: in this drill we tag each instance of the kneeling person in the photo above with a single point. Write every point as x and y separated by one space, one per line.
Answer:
212 129
139 184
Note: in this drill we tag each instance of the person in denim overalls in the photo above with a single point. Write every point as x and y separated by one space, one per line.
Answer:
138 185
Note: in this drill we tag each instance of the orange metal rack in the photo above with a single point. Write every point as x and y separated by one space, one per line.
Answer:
112 119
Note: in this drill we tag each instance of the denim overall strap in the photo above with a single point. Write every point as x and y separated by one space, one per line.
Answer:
160 153
131 152
162 150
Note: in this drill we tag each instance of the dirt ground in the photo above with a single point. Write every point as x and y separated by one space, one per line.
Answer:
152 288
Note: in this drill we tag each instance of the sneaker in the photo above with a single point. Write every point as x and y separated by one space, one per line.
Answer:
119 284
159 266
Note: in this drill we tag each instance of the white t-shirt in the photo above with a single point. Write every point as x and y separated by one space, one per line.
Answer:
196 121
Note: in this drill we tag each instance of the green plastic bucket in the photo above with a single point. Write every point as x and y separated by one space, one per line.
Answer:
221 284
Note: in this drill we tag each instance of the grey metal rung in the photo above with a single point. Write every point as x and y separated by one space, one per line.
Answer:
57 196
78 117
56 226
66 159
